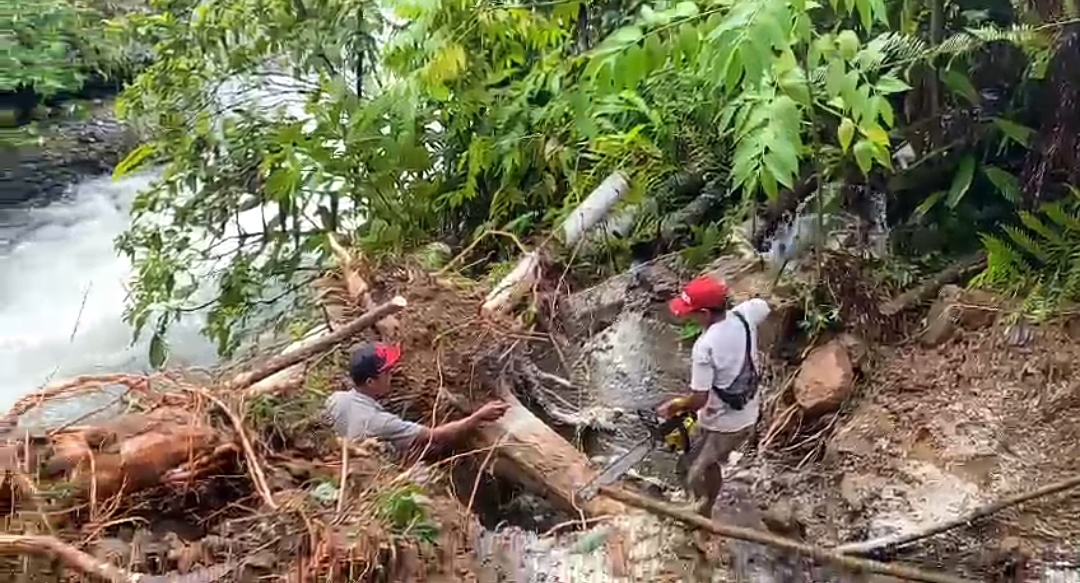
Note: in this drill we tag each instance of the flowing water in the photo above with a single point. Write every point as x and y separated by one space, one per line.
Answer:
62 292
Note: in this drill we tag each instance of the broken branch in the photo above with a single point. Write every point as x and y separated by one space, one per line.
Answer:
747 534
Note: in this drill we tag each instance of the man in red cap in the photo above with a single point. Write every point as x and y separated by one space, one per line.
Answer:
723 381
357 414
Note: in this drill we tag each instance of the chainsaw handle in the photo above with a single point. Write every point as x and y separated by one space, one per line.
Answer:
685 433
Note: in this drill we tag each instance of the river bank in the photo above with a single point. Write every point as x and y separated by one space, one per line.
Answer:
879 458
67 150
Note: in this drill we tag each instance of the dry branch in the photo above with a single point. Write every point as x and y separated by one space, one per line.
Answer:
69 388
894 542
818 553
89 565
257 475
284 361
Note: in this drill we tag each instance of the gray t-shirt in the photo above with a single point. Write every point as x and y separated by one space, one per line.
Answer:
358 416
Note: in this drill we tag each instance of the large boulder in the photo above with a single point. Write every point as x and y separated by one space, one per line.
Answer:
825 379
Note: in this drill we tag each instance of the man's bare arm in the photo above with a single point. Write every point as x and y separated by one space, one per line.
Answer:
692 402
450 433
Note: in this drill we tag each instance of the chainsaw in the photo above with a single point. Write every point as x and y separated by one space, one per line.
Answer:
673 434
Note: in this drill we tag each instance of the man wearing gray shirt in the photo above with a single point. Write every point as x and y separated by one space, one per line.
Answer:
357 414
723 381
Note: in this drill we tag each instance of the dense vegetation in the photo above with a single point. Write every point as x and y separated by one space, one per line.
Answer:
50 49
445 120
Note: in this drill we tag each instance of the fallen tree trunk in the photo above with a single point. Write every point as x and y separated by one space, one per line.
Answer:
531 453
291 378
929 288
764 538
167 444
590 212
130 453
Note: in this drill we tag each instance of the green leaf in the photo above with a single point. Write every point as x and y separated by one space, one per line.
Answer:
848 43
649 16
685 9
159 351
885 110
887 84
864 155
929 203
619 39
959 84
134 160
961 181
845 133
1018 133
689 40
1006 184
835 77
875 134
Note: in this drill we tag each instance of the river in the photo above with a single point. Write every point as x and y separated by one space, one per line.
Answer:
62 291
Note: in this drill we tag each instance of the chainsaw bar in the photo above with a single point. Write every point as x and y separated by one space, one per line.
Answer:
617 469
658 430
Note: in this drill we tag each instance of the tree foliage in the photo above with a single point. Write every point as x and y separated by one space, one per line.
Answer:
49 46
406 121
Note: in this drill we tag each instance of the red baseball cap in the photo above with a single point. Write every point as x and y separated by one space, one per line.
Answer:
702 293
371 360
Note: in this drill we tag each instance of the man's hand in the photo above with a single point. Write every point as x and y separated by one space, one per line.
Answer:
491 411
672 407
668 408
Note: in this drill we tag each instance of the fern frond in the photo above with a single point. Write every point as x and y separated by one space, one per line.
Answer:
1039 260
1033 223
1066 220
1025 241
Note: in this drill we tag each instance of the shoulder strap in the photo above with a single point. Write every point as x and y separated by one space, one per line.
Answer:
746 327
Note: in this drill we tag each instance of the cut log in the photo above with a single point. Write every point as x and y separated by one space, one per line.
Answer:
291 378
515 285
590 212
532 454
594 208
284 361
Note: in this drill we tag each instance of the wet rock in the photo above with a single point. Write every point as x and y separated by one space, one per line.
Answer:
825 379
71 150
589 311
781 519
958 308
868 426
